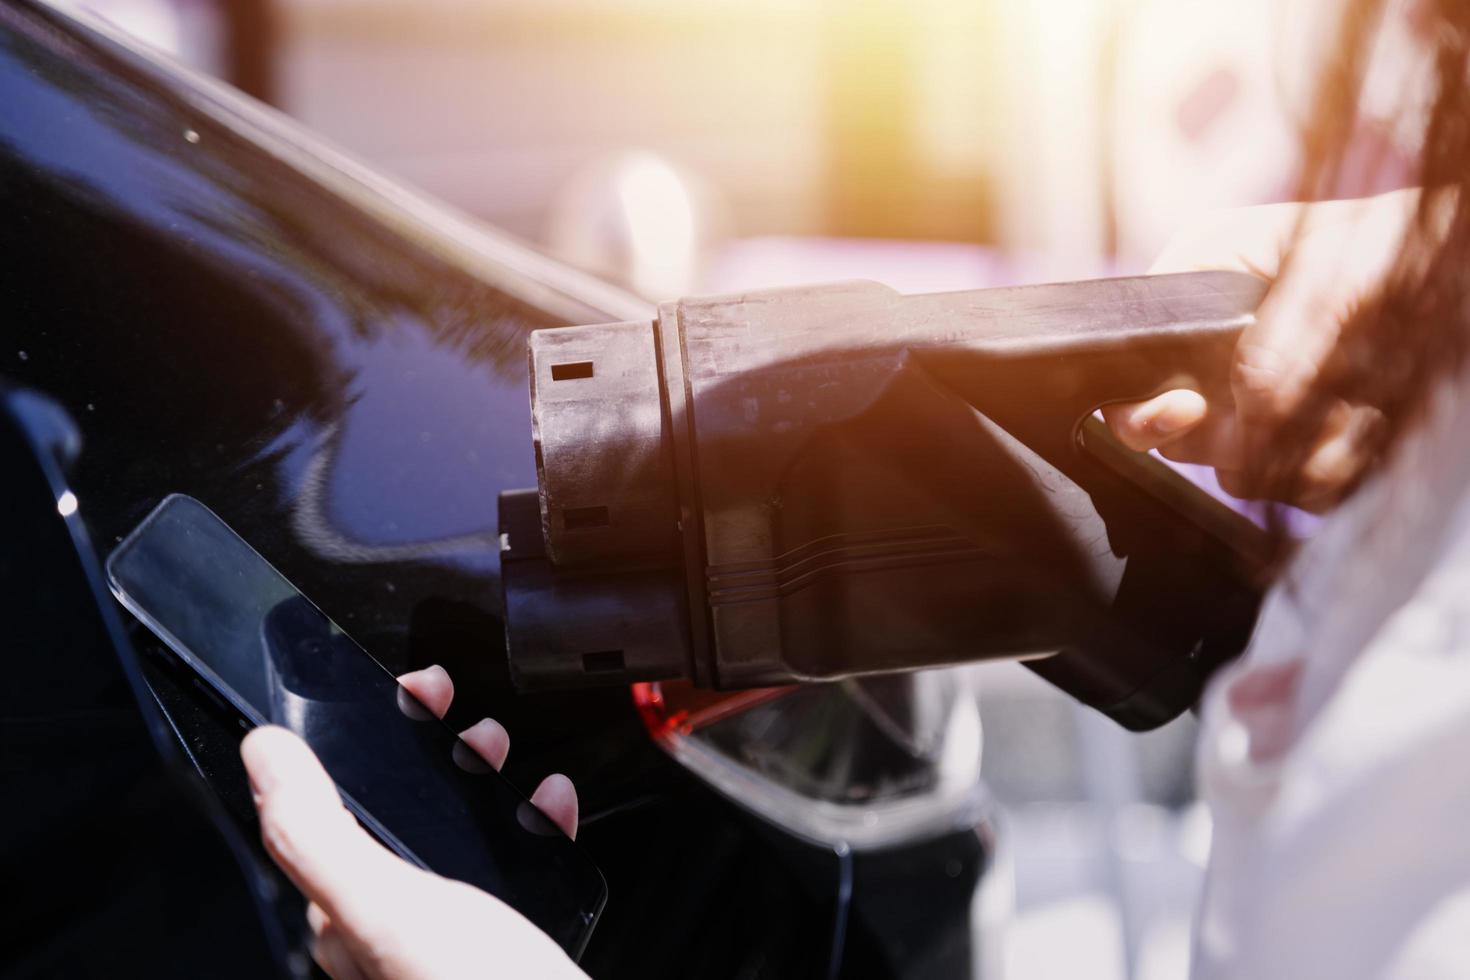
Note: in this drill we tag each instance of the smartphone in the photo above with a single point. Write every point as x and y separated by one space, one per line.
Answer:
270 654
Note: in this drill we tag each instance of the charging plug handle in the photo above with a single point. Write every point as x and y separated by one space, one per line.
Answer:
813 483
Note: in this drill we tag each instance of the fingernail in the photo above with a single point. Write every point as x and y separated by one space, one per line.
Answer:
1177 411
434 669
1166 423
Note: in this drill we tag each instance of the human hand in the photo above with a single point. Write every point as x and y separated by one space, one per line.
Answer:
373 915
1341 255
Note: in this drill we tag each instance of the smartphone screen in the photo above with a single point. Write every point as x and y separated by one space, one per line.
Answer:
265 648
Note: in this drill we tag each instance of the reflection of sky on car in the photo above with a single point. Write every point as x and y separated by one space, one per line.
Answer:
421 415
134 180
425 443
435 414
414 412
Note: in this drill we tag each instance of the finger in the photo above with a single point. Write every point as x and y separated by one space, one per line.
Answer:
489 739
316 918
308 831
1332 465
1309 497
1214 442
1234 483
1339 255
1273 370
1243 239
334 954
1338 458
1281 353
432 686
557 798
1146 425
327 947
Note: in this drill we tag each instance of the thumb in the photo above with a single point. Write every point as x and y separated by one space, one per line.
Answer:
309 833
1146 425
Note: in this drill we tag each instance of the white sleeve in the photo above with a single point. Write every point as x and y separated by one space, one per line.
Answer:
1350 857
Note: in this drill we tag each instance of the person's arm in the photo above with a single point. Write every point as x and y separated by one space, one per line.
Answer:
1339 253
374 916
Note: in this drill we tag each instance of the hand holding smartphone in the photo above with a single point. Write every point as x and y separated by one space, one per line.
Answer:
275 658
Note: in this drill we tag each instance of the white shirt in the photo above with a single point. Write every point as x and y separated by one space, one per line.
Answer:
1335 755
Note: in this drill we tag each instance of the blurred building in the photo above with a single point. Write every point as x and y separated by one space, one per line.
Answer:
1077 133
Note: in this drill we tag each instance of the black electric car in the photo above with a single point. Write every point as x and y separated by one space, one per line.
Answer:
199 298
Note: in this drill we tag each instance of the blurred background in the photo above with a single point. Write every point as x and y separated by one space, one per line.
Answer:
685 146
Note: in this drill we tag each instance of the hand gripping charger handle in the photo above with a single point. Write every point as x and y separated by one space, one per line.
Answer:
808 484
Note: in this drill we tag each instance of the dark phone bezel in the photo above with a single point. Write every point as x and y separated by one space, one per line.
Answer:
249 717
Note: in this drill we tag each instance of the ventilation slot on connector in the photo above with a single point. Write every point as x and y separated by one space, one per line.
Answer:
572 371
584 518
602 662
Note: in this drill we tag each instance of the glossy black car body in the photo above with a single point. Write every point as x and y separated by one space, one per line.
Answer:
337 368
